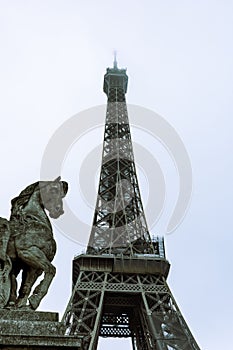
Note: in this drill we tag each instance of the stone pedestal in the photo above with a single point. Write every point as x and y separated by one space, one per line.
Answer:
33 330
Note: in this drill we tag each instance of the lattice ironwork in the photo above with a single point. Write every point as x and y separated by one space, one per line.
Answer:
118 305
119 285
119 224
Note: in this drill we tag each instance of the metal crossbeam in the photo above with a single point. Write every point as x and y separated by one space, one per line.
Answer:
126 308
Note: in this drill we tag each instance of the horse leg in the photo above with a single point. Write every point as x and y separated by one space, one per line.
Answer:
34 257
13 293
29 277
13 276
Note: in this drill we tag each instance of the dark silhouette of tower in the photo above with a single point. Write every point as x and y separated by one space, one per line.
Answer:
119 285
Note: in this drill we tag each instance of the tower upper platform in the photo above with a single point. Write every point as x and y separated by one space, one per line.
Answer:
115 78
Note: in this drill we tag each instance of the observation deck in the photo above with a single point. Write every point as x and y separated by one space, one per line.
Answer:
115 78
139 264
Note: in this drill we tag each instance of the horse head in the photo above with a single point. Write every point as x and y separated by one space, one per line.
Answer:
52 193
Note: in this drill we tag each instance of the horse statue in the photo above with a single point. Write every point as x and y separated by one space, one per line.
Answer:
27 244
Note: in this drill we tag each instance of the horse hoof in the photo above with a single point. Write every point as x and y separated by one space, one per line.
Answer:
11 305
25 308
34 302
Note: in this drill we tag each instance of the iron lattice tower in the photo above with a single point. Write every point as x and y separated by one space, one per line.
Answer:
119 285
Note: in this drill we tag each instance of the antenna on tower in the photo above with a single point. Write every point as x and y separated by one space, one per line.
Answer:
115 60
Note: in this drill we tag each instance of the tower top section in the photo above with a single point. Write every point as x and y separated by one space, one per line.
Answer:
115 78
119 224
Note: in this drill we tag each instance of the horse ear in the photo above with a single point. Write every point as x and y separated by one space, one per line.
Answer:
65 187
57 179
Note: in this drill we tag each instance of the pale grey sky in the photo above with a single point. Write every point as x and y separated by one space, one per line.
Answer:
179 59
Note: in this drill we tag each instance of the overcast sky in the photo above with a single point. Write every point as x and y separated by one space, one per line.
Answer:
179 58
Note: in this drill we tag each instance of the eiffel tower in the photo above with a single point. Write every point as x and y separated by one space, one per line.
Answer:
119 285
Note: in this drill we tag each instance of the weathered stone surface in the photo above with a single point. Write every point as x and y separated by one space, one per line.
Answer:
34 330
27 244
28 315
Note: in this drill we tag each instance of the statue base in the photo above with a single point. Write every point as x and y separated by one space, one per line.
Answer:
30 330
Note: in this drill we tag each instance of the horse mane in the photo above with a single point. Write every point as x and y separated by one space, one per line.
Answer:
22 199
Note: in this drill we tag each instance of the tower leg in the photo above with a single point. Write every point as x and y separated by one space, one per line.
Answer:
167 326
84 311
95 333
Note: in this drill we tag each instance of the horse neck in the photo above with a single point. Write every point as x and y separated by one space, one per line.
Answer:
34 209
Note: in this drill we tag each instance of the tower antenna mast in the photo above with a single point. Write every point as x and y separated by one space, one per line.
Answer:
115 59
